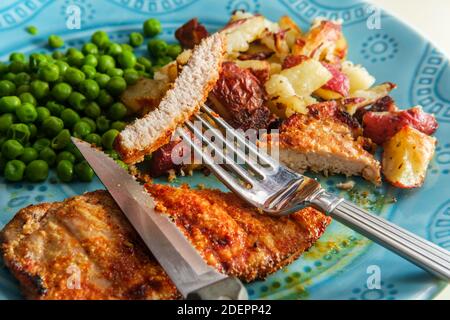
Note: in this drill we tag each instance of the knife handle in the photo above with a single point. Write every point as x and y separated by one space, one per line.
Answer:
230 288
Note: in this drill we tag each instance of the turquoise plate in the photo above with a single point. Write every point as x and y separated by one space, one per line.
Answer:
343 264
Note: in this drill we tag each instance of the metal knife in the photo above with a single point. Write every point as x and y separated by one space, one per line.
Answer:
183 264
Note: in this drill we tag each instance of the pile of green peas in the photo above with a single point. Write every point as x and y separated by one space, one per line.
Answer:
47 98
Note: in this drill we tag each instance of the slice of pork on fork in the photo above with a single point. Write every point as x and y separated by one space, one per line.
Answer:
278 190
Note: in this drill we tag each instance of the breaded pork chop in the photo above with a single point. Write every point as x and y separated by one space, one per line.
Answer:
326 140
234 237
48 246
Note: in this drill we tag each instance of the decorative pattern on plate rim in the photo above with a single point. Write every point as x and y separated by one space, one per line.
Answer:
426 90
20 12
387 292
153 6
379 48
439 227
245 5
309 10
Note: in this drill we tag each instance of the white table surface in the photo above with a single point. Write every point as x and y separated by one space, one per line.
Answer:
433 21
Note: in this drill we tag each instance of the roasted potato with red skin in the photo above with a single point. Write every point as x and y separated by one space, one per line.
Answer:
293 60
161 161
191 33
338 87
381 126
240 98
406 157
385 104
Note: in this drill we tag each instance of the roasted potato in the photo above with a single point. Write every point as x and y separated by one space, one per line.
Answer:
261 69
337 87
191 33
276 41
293 31
144 96
381 126
364 98
358 76
406 157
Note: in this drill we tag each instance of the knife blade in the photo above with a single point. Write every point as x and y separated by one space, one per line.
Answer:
182 263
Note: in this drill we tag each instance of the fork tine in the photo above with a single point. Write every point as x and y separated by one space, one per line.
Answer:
253 149
229 162
220 173
230 146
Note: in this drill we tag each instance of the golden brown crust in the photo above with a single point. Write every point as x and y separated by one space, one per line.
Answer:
46 246
234 237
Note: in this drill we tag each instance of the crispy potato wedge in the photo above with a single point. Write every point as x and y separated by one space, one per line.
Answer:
364 98
336 88
359 77
406 157
293 31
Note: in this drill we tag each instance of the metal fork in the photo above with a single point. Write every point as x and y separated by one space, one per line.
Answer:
278 190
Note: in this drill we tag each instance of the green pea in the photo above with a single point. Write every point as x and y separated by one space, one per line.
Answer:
136 39
41 143
6 121
75 57
65 155
81 129
162 61
75 152
108 138
89 71
90 122
17 56
69 118
89 48
93 110
42 114
77 101
102 124
174 50
20 132
157 48
52 126
126 47
61 91
91 60
115 72
3 68
39 89
61 140
94 139
55 41
7 88
58 55
36 60
10 77
36 171
62 66
11 149
131 76
116 86
49 72
117 111
113 154
27 97
127 59
114 49
101 39
24 88
84 172
104 99
74 76
90 89
27 113
32 30
9 104
118 125
105 63
48 155
17 67
152 27
64 170
102 79
29 154
122 164
145 62
54 108
14 170
33 130
21 79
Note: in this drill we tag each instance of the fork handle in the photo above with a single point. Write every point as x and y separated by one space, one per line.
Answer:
417 250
